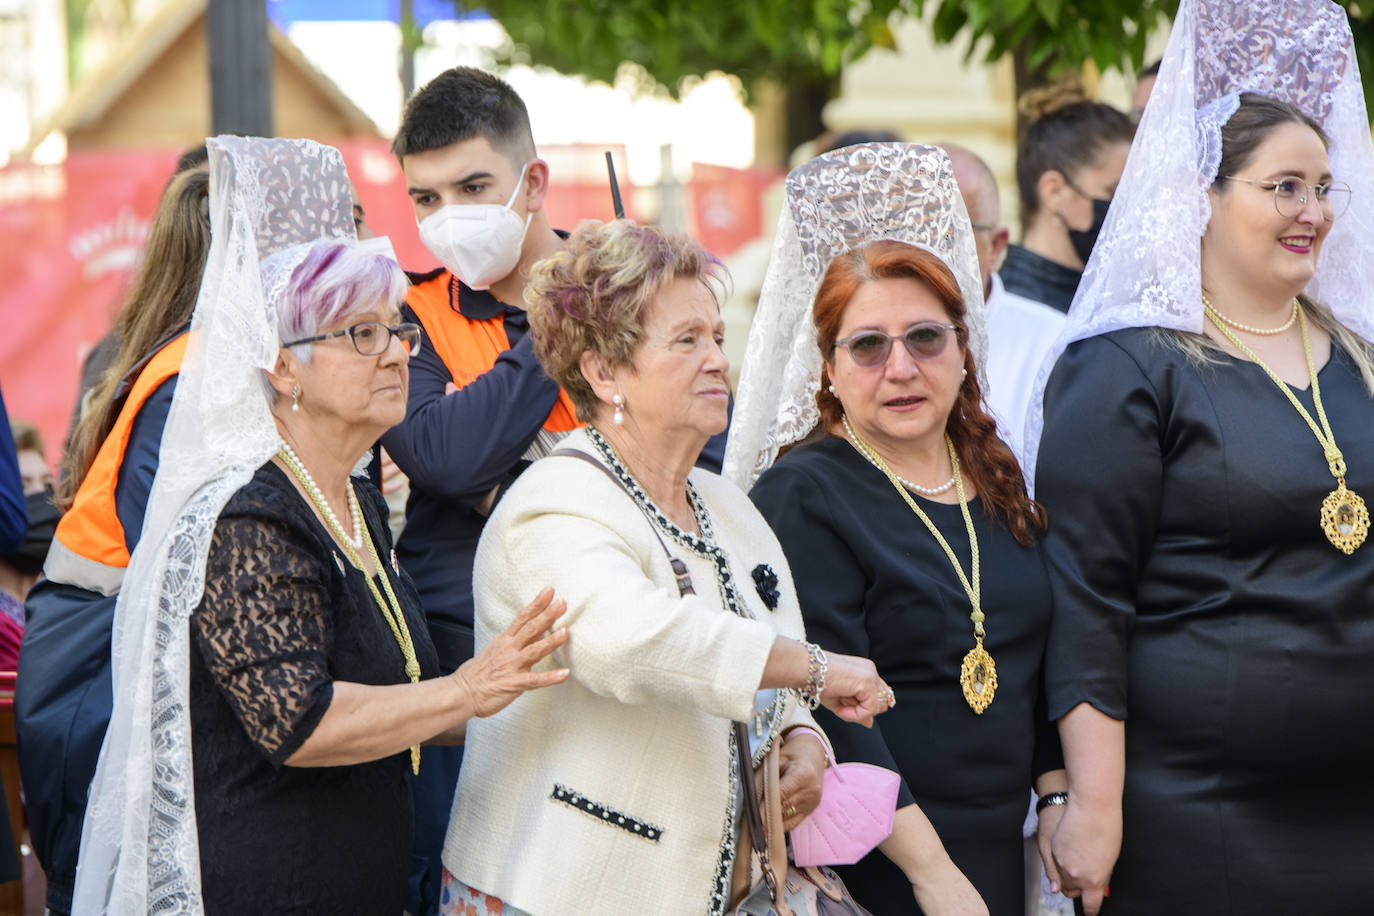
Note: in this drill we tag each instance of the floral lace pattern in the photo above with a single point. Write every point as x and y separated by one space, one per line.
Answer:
139 850
262 626
1146 268
835 202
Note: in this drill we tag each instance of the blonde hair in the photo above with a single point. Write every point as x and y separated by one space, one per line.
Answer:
163 298
1202 351
592 296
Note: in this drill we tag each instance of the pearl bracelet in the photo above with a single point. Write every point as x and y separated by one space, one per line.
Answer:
817 663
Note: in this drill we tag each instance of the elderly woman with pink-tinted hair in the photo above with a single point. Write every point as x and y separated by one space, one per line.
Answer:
617 790
312 676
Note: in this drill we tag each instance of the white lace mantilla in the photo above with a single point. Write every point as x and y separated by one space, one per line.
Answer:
139 849
836 202
1146 268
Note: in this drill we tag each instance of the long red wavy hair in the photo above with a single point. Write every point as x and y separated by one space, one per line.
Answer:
985 459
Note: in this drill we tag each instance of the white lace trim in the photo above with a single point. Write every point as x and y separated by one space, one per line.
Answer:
835 202
139 847
1145 270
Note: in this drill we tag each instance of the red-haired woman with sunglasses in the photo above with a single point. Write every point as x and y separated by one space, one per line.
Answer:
908 451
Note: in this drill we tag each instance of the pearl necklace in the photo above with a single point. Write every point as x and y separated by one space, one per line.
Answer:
317 497
389 606
1262 332
924 491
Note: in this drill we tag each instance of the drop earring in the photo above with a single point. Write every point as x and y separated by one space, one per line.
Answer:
295 398
619 418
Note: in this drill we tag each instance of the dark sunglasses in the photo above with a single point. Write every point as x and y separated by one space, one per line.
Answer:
371 338
925 340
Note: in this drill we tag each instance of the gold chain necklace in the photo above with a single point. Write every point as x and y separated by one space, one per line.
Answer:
1344 517
978 673
391 608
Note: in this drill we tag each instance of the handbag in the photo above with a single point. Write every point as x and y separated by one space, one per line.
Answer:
782 889
787 892
858 802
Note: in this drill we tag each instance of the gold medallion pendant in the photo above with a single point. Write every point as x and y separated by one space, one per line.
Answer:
1345 519
978 677
1344 516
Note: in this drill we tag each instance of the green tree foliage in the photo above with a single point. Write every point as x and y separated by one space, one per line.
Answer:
1052 37
805 43
674 40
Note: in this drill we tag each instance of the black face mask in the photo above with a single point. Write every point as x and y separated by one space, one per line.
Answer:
43 518
1084 239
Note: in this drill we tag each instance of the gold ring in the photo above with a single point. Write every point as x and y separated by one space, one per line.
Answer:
791 811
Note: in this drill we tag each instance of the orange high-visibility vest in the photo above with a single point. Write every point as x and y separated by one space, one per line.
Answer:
88 549
469 348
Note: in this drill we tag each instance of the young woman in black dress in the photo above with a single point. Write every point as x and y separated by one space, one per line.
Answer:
1209 659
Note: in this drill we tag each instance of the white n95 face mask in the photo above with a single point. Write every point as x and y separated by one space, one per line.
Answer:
480 243
377 245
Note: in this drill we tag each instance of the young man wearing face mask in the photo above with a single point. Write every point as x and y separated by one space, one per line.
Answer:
480 407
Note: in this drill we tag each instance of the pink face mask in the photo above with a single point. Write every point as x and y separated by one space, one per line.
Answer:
858 801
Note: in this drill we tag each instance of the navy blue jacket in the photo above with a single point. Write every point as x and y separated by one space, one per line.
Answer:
14 517
63 695
455 449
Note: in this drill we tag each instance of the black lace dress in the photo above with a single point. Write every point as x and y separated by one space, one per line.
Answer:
284 615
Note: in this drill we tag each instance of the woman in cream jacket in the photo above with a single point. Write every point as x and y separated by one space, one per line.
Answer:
617 791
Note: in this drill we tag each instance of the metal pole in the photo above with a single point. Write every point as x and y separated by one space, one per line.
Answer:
410 39
240 68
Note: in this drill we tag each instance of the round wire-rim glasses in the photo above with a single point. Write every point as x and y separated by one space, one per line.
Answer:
1291 193
371 338
924 340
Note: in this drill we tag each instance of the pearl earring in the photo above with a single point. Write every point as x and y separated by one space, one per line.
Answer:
295 398
964 373
830 388
619 418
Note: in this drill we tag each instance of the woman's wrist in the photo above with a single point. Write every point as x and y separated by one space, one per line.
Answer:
817 663
1051 799
807 730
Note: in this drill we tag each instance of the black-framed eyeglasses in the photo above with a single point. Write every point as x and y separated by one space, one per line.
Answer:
925 340
1291 193
371 338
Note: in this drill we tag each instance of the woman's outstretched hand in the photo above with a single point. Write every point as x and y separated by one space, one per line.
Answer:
502 671
854 691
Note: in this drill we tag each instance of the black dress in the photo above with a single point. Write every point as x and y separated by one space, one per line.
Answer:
1197 598
873 582
284 615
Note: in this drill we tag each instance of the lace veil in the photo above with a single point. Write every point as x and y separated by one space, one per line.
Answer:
139 849
1145 270
835 202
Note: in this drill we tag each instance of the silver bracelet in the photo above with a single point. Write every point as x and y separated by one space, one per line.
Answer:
1050 800
817 663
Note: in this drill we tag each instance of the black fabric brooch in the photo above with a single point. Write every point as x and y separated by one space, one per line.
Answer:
766 582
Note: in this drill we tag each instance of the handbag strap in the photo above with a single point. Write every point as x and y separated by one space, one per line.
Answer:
753 811
684 578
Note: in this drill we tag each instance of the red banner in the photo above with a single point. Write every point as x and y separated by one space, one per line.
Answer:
72 234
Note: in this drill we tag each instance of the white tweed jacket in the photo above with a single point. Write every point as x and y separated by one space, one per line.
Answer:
614 792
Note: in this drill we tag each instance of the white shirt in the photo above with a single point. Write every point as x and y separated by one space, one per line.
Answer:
1021 333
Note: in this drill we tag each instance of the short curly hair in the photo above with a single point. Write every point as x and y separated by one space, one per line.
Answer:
592 295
